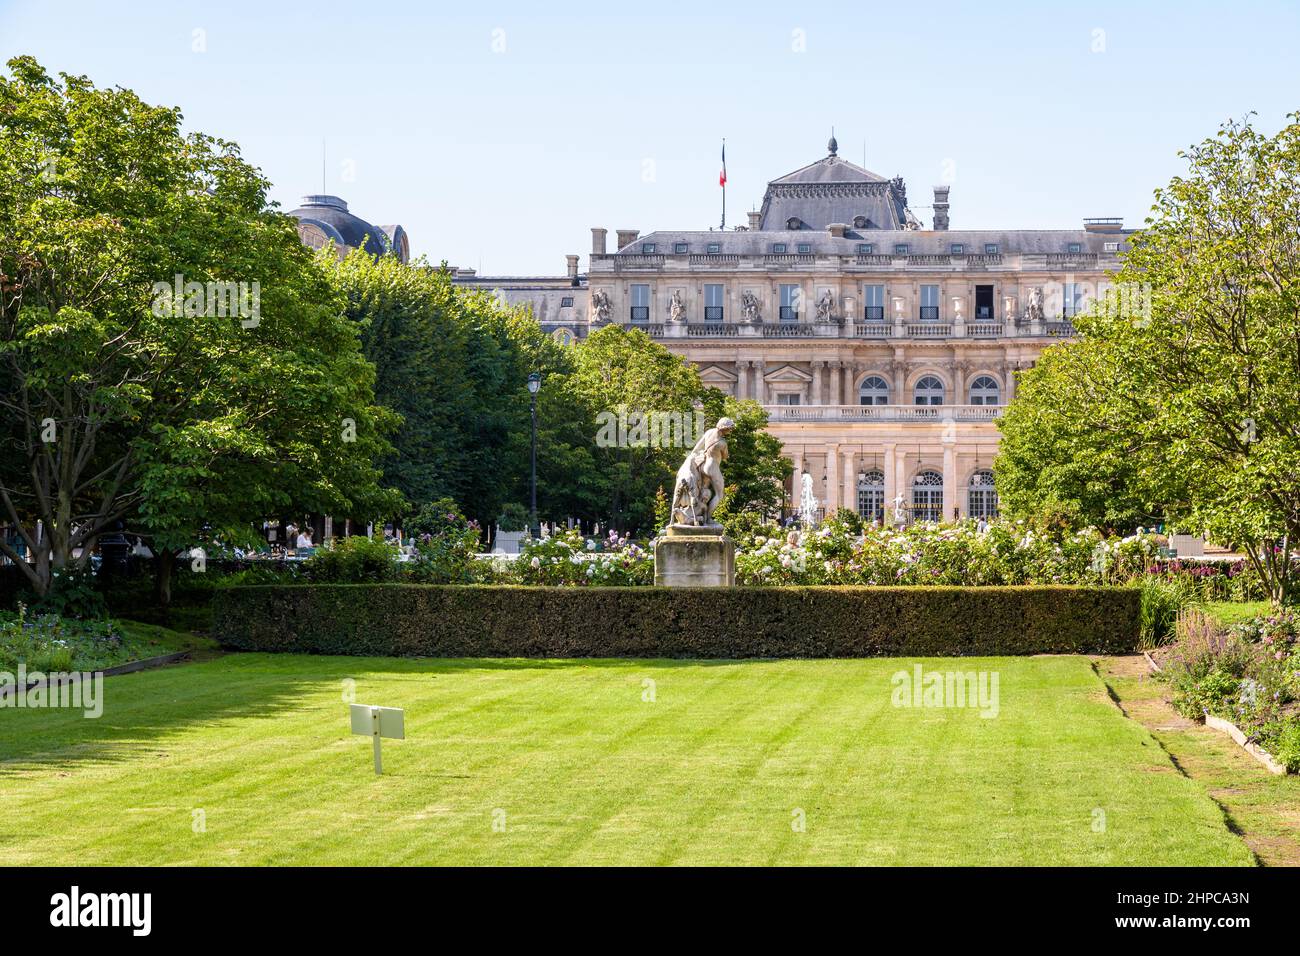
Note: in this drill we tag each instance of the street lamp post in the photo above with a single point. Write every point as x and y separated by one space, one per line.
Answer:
534 384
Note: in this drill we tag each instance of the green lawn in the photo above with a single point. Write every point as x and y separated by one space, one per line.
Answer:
581 770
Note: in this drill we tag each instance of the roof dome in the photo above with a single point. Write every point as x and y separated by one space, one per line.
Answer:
330 214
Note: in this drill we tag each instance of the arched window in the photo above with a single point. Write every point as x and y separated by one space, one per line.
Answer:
873 391
928 391
859 222
793 223
982 496
927 496
871 495
984 391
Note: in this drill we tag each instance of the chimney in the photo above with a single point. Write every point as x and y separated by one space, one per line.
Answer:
626 237
598 240
837 229
755 221
572 263
941 208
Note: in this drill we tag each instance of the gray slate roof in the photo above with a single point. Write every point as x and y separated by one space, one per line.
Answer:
920 242
833 190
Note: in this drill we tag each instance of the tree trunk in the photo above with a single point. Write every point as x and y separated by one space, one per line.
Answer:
164 567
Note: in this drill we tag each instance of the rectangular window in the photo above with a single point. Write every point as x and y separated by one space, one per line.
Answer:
714 248
566 302
713 303
864 248
957 249
778 248
804 248
647 248
790 303
640 303
990 248
901 249
1074 248
930 302
873 299
680 247
790 399
1072 299
1111 246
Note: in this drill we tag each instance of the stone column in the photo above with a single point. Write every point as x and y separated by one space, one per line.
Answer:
850 495
817 383
1009 387
891 481
900 383
949 482
850 373
760 386
900 479
836 378
959 369
832 489
742 379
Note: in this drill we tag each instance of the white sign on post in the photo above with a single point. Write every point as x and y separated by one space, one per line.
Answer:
378 722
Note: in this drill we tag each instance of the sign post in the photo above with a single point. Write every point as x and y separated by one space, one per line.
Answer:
378 722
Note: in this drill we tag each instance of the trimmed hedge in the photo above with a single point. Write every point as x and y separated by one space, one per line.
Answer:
503 621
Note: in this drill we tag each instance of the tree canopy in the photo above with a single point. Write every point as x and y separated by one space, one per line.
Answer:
169 354
1184 390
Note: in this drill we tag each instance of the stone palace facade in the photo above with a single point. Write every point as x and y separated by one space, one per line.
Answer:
883 351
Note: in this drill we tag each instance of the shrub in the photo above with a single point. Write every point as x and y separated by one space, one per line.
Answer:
567 558
495 621
354 560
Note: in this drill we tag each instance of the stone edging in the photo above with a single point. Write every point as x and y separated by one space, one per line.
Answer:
130 667
1256 751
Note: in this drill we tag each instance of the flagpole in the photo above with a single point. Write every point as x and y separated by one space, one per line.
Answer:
724 186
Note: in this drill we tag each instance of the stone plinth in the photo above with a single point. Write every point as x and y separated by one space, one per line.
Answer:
700 557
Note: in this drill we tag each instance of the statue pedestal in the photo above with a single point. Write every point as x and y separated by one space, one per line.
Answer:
695 557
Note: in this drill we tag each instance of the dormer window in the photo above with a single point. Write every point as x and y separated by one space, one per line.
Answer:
1110 246
864 248
793 223
859 222
1074 248
778 248
804 248
901 249
647 248
957 249
714 248
566 302
990 248
680 248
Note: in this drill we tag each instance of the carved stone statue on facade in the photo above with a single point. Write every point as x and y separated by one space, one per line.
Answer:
1035 310
600 307
825 305
698 490
676 307
749 305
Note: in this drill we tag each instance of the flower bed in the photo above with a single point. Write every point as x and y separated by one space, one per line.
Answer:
1247 674
47 642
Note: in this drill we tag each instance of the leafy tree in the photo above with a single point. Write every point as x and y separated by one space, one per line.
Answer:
122 400
1064 456
1200 351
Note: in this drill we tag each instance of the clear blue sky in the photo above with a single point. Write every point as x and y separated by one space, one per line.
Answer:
498 134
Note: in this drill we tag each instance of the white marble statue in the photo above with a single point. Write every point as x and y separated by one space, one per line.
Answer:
749 305
824 306
600 306
1036 304
676 307
698 490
